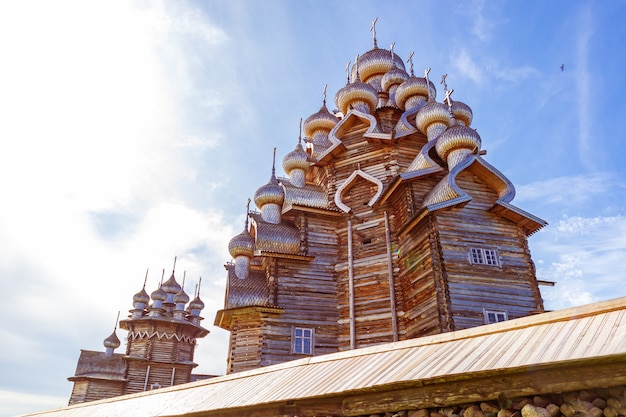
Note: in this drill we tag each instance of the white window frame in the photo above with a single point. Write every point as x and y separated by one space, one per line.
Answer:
299 338
500 316
483 256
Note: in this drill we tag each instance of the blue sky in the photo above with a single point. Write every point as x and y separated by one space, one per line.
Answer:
134 132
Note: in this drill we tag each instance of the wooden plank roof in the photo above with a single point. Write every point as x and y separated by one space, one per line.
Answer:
567 349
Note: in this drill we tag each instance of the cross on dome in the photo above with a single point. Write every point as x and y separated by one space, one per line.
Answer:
410 62
373 30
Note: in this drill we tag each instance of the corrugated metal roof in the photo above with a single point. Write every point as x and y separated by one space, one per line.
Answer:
574 335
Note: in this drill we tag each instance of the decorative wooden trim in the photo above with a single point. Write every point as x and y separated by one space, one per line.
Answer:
347 184
305 258
224 318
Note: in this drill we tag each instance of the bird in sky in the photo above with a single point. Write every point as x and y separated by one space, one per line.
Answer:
562 67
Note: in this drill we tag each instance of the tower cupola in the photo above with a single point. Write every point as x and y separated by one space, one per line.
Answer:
158 298
357 95
196 306
296 163
112 342
392 79
241 248
433 119
317 127
458 141
375 63
414 90
269 198
181 298
461 112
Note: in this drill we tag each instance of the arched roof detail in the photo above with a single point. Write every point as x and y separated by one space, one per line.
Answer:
447 193
337 132
403 126
348 121
350 181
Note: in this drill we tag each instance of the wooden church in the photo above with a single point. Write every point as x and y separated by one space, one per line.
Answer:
390 225
392 273
162 331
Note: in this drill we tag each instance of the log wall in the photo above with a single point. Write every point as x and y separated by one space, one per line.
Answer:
94 389
246 338
307 291
417 285
433 287
372 303
511 286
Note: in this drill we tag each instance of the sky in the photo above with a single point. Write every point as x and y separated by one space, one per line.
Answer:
133 132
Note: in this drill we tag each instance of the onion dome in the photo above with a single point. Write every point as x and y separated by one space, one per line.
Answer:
462 113
181 297
317 127
141 299
158 294
433 119
270 197
296 163
241 248
241 245
171 288
456 143
195 306
358 95
322 120
392 77
112 342
390 82
414 91
374 64
270 193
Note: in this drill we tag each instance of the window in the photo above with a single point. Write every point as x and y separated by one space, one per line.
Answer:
302 341
494 316
483 256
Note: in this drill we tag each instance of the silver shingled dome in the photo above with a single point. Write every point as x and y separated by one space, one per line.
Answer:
414 87
242 244
272 192
322 120
296 159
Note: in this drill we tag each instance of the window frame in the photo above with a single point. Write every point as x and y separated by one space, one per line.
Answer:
478 255
303 338
502 313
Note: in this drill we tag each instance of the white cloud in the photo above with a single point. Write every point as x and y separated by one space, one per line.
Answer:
479 69
568 189
98 175
14 403
482 24
588 260
467 67
514 74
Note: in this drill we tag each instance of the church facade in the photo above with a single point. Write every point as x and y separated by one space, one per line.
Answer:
162 331
390 225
